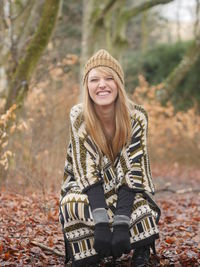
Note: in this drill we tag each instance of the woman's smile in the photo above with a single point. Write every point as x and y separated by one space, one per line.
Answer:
103 93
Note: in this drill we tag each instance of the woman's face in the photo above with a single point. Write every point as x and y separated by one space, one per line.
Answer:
102 88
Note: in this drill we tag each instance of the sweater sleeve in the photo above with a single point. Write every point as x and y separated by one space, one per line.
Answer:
96 197
68 176
133 168
125 201
86 160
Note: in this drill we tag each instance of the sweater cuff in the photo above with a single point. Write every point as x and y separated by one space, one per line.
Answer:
121 219
100 216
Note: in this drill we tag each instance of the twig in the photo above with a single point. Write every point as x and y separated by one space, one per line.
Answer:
55 251
17 237
165 189
179 191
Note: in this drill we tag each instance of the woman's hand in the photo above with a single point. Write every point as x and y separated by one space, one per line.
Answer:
102 239
120 240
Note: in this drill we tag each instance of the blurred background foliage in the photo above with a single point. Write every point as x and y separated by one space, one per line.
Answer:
157 63
43 47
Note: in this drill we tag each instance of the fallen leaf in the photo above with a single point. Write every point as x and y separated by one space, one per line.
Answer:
170 240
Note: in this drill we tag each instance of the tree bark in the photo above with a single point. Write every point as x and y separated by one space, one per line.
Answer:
87 30
30 19
21 77
99 19
128 14
197 19
180 71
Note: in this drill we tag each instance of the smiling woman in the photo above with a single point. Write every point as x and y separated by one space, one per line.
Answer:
102 87
106 204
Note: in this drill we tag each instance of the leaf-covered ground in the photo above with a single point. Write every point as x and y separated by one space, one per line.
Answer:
34 216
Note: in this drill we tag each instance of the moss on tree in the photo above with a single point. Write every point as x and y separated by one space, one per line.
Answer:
19 82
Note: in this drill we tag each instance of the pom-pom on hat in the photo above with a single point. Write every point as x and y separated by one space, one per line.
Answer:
103 58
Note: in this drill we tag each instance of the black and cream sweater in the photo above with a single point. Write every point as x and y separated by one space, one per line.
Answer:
85 165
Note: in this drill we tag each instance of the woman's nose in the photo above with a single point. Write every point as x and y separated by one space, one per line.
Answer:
102 83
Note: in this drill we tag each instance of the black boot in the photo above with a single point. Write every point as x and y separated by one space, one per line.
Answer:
141 256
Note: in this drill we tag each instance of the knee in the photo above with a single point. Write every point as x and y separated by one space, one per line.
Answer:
75 207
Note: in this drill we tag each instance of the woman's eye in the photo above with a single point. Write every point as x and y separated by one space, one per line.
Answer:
109 78
93 80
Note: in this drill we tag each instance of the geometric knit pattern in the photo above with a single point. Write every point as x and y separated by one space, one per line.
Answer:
132 165
78 223
84 167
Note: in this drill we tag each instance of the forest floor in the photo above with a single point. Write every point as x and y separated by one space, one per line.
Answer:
29 217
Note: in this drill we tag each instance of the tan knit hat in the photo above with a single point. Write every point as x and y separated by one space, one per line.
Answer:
103 58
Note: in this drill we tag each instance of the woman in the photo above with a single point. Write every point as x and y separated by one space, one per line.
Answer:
106 206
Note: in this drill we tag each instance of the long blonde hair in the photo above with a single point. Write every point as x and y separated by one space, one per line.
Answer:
122 119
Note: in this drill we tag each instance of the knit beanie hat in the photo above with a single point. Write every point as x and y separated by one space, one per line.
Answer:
103 58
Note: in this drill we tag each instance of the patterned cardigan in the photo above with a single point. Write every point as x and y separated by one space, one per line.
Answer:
84 163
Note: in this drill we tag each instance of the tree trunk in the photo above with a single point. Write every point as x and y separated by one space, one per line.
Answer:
197 19
21 77
144 32
30 18
180 71
5 44
87 44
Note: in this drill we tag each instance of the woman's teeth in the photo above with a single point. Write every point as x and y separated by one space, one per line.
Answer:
103 93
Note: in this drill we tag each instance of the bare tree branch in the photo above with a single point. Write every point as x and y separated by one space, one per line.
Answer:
181 70
22 11
6 18
104 11
167 188
128 14
30 18
197 20
54 251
